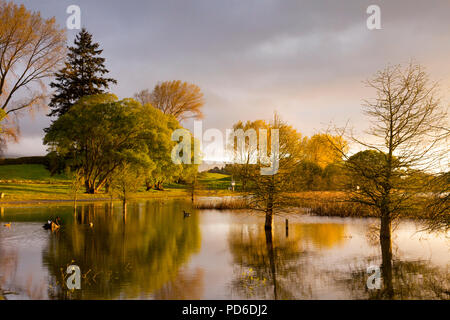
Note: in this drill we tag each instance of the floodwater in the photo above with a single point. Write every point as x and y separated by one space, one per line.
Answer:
154 252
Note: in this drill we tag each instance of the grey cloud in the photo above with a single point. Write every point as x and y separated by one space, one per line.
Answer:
305 59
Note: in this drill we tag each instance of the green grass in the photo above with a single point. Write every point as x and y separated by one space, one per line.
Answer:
40 192
33 182
214 181
28 172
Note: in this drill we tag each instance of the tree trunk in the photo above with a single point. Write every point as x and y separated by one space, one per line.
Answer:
270 253
75 203
124 208
269 219
269 211
90 186
386 254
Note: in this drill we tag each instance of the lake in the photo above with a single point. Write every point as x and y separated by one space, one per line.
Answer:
155 253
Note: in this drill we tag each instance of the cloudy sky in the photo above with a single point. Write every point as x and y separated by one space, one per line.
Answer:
305 59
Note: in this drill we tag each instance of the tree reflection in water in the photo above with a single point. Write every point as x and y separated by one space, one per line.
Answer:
271 266
402 279
118 257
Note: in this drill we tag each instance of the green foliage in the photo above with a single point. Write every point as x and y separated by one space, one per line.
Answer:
334 176
214 180
158 132
368 170
22 172
100 133
309 176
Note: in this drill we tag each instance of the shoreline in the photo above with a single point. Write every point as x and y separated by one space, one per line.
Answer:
140 196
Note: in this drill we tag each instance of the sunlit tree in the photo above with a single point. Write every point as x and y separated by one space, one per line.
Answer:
31 49
183 100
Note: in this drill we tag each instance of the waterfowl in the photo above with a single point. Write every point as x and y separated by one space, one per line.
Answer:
55 226
7 225
52 225
186 214
91 224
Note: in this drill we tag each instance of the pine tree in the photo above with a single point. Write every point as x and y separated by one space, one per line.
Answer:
82 74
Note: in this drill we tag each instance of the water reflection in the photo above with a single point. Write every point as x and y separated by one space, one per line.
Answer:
120 258
402 279
271 266
155 253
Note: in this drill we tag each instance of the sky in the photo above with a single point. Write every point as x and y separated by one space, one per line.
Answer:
306 60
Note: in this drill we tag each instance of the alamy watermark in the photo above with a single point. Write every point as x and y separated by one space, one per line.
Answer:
250 147
374 279
74 280
374 20
74 20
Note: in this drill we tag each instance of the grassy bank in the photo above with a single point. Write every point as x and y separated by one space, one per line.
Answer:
29 173
33 183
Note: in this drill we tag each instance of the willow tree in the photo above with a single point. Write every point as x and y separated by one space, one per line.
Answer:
271 169
408 127
242 167
101 134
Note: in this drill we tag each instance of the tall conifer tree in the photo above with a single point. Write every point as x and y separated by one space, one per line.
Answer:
82 74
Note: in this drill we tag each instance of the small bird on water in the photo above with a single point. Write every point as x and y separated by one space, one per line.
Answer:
91 224
186 214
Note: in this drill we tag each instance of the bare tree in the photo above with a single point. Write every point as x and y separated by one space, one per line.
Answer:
183 100
408 127
143 97
31 50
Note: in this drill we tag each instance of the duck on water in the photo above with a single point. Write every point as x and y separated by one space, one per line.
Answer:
186 214
52 225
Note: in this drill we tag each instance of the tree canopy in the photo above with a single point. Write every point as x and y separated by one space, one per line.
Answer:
181 99
103 135
100 133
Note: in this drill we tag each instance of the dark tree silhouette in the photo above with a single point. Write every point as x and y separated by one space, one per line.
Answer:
81 76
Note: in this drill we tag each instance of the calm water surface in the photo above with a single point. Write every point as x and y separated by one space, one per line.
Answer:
156 253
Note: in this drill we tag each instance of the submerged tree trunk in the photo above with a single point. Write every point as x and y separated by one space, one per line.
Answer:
269 219
386 254
124 209
269 210
75 203
270 253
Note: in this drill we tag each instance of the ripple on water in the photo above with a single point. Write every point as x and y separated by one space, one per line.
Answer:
24 235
